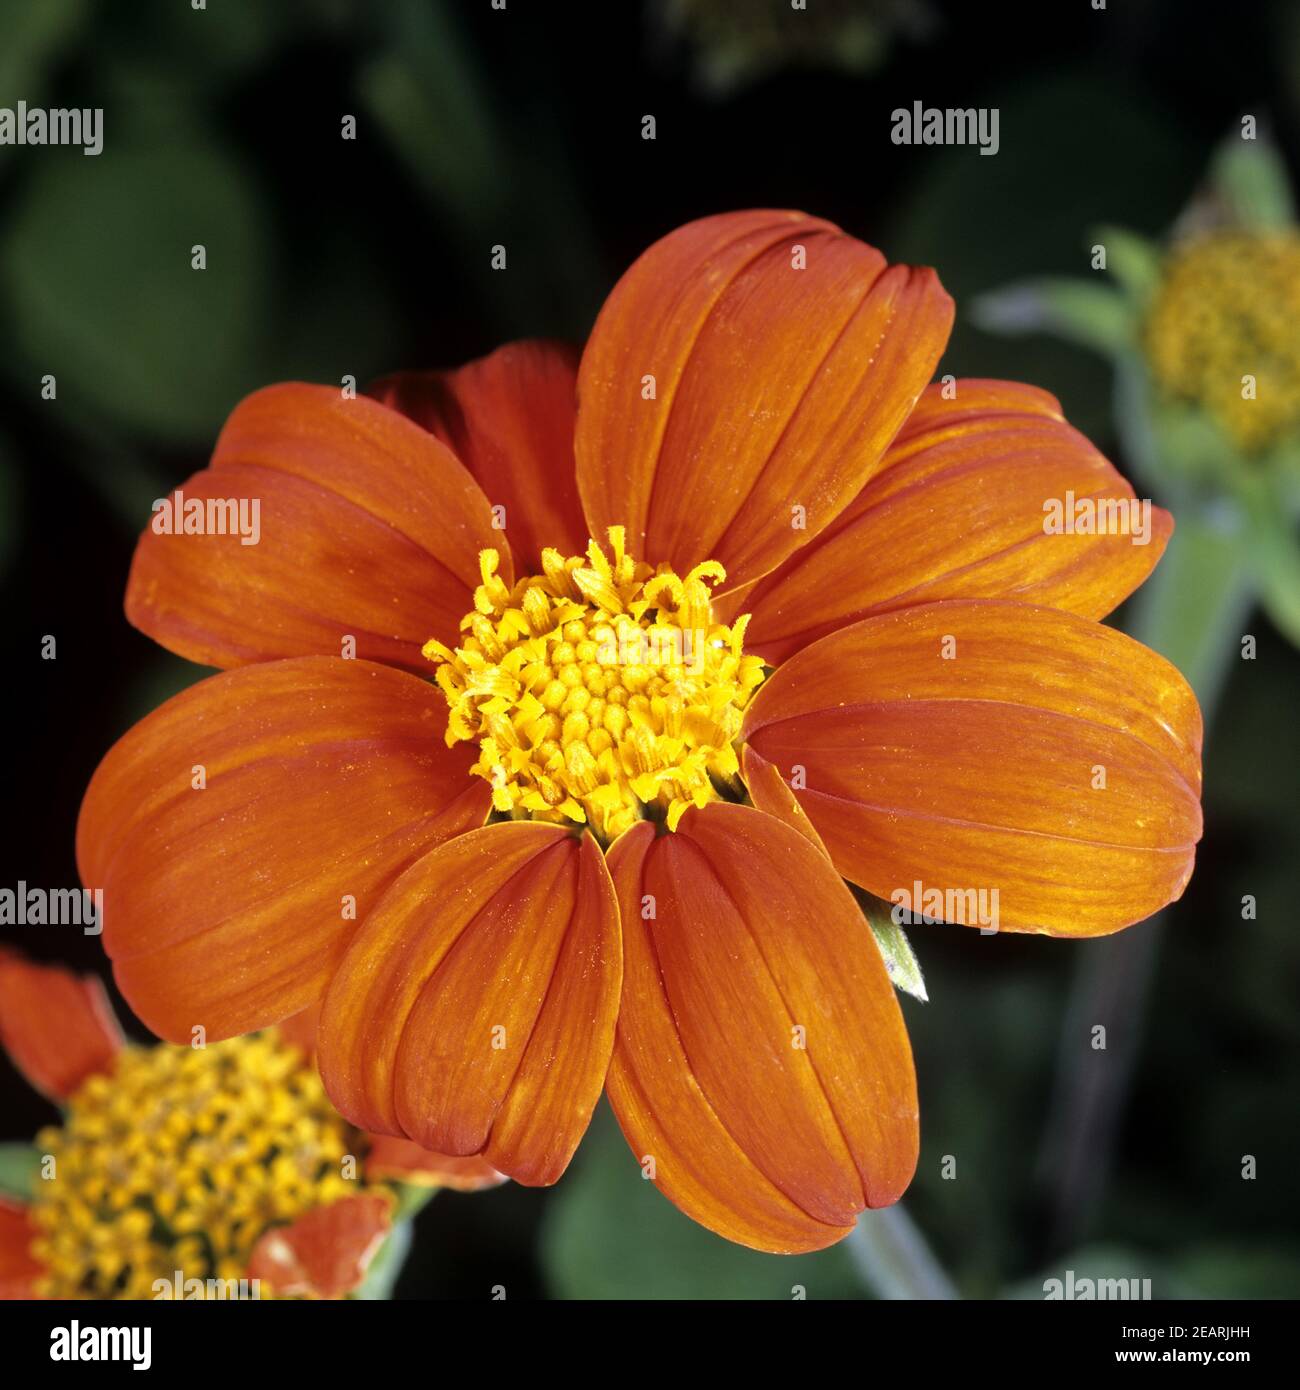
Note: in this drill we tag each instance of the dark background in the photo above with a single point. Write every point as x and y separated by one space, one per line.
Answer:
328 257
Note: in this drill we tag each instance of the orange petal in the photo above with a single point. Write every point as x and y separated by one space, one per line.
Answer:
474 1013
18 1270
367 528
300 1031
326 1252
400 1160
509 419
58 1028
958 511
229 907
769 789
738 934
774 387
982 770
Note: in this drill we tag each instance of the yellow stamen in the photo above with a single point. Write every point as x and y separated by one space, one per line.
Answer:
600 691
178 1161
1227 308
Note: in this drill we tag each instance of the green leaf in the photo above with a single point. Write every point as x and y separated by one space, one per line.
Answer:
428 83
1274 553
33 37
20 1165
609 1234
1096 316
97 285
895 949
1133 260
1285 463
1251 179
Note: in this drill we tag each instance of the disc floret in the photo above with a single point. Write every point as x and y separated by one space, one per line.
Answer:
177 1161
601 691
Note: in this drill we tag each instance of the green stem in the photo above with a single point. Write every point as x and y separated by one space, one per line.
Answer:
381 1278
893 1258
1191 611
385 1269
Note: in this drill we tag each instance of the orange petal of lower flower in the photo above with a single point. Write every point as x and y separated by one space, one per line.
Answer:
19 1271
746 365
958 510
474 1013
973 746
58 1028
402 1160
228 906
366 527
326 1252
509 418
761 1061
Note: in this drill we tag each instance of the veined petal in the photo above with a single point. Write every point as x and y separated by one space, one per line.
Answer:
58 1028
972 746
769 789
228 905
508 417
401 1160
397 1160
960 509
782 356
474 1013
19 1270
326 1252
761 1060
367 526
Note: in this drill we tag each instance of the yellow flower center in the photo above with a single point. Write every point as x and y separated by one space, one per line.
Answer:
177 1161
601 691
1227 308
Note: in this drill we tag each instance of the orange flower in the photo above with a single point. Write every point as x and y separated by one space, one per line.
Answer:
187 1173
752 434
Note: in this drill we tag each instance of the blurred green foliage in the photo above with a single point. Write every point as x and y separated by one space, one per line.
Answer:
610 1234
95 271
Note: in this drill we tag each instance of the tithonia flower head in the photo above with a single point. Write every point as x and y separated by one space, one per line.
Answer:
1225 299
732 608
185 1172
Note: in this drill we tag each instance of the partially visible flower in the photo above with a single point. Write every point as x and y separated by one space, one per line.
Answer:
1225 302
174 1166
1201 328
